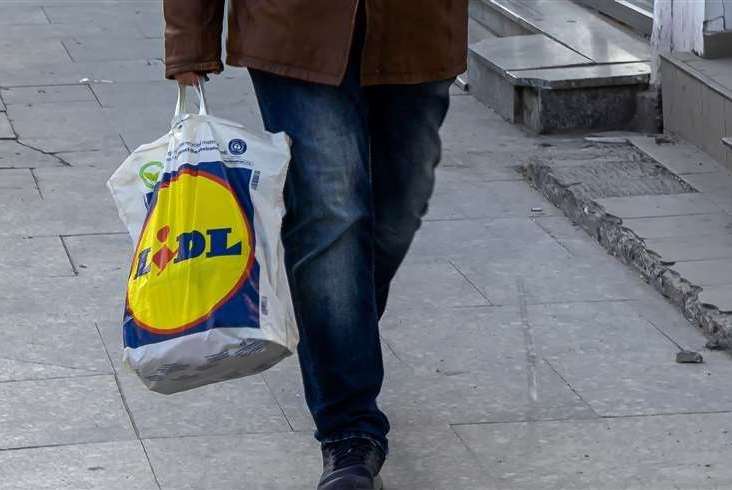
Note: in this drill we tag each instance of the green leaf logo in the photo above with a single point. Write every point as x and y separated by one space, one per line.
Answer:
150 172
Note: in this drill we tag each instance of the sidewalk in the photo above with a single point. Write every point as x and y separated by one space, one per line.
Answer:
519 355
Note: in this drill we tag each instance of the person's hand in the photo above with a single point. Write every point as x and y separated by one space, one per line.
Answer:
190 78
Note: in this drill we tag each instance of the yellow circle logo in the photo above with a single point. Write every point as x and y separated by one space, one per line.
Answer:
194 253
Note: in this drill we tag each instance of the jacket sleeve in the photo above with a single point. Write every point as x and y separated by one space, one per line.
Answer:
193 36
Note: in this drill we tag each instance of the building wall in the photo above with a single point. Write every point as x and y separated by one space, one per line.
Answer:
718 16
678 25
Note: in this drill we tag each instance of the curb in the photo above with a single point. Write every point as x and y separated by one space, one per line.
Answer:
624 244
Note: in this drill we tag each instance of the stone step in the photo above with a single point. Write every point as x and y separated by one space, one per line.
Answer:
536 81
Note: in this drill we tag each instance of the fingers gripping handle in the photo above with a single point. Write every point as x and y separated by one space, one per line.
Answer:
180 107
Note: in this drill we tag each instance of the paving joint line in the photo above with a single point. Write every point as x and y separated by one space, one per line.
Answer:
74 269
556 371
529 344
553 237
54 378
126 405
36 182
48 153
68 53
472 284
277 402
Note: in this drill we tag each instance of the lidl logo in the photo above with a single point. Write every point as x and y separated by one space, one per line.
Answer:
237 146
194 253
150 173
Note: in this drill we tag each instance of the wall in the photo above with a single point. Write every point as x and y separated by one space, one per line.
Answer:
678 25
718 16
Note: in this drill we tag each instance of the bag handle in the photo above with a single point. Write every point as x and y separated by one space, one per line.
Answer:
180 107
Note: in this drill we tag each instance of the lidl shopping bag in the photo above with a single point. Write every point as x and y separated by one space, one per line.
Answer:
207 294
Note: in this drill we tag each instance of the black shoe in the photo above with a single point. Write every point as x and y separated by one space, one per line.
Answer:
351 464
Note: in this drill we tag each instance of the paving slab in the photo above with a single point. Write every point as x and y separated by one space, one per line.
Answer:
23 16
434 283
62 411
456 340
460 238
590 329
680 226
664 316
40 347
102 256
15 155
465 167
110 465
477 200
79 13
419 396
6 129
526 52
106 159
63 126
552 281
23 32
432 459
73 214
711 182
40 50
104 48
468 123
679 157
705 247
150 27
45 94
17 187
233 407
649 453
123 71
706 272
625 383
38 256
719 296
662 205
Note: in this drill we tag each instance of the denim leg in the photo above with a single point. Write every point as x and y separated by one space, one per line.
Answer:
328 239
404 124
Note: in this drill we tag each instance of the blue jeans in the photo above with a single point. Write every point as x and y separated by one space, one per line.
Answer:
362 172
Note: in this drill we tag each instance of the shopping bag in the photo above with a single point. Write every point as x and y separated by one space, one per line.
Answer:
207 294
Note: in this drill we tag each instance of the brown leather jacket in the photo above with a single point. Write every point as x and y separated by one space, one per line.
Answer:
407 41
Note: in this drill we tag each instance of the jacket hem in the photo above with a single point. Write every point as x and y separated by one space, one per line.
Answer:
289 71
381 78
214 66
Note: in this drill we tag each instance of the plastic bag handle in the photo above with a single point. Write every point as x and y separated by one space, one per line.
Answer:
180 107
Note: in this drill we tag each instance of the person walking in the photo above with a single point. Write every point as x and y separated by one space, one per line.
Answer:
362 88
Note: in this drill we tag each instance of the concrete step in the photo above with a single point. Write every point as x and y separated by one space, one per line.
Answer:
536 81
572 25
558 66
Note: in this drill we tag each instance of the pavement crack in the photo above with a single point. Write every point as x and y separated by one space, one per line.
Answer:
44 152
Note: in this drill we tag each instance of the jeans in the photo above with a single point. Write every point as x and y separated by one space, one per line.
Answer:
362 172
